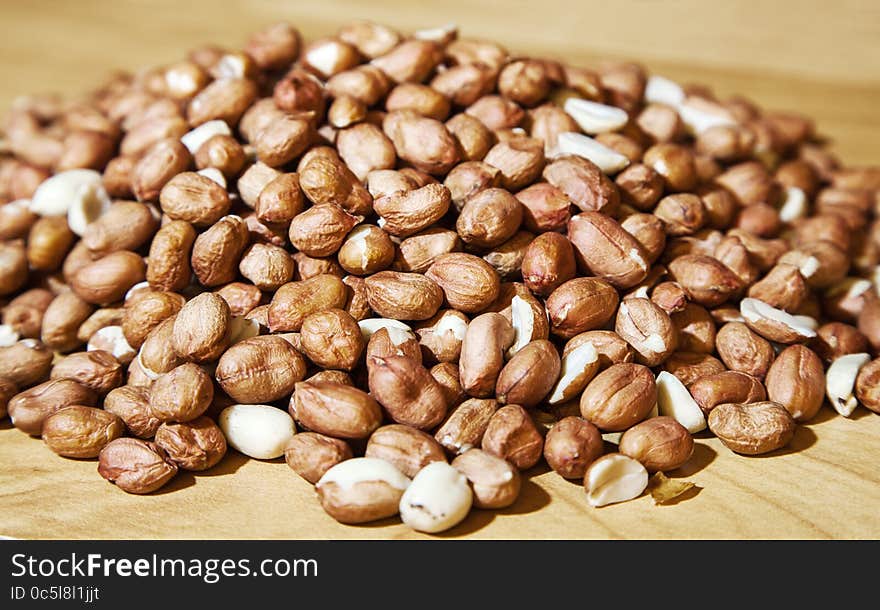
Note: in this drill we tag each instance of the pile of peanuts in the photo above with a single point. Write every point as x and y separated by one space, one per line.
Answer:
417 265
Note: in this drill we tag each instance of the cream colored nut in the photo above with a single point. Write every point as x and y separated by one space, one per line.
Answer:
674 400
840 382
201 328
648 329
194 139
794 205
214 174
81 432
661 90
700 115
442 335
258 431
311 455
486 340
408 449
595 118
254 179
571 445
398 332
607 159
390 342
775 324
512 435
796 380
8 335
77 193
579 366
529 375
619 397
260 369
465 426
495 482
361 490
30 408
659 443
752 429
335 409
609 346
407 390
438 498
132 405
614 478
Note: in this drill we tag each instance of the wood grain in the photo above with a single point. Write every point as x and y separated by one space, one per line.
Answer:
820 58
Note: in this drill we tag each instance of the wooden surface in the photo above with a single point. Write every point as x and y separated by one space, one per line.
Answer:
820 58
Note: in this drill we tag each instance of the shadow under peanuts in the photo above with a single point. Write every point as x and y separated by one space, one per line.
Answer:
6 424
804 438
532 497
703 456
231 462
182 480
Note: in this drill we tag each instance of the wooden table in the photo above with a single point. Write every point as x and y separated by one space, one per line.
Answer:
820 58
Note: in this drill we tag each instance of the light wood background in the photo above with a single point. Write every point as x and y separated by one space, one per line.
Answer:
822 58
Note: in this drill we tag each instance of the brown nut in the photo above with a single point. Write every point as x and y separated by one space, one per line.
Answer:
866 388
30 408
241 297
469 283
530 375
168 266
727 386
25 363
25 313
681 213
547 263
108 279
520 161
404 213
609 346
421 141
366 249
675 163
660 444
649 231
359 490
393 341
752 429
403 296
7 391
466 424
332 339
62 320
405 447
441 336
267 266
194 198
796 380
163 161
511 435
585 185
321 230
741 349
260 370
571 445
182 394
13 266
81 432
648 329
135 466
495 482
310 454
294 302
216 253
48 242
407 390
225 99
447 375
486 341
126 225
143 314
132 405
194 445
489 218
418 252
706 280
469 178
156 355
335 409
200 328
607 250
223 153
619 397
97 370
837 339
